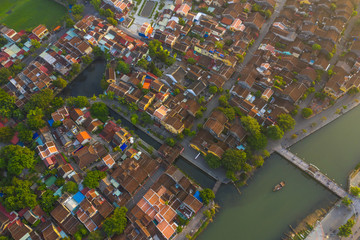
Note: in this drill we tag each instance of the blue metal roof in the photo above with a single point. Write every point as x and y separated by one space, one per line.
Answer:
79 197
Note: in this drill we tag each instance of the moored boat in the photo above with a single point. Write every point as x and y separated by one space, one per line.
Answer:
279 186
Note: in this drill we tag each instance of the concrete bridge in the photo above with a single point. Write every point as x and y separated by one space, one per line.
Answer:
312 171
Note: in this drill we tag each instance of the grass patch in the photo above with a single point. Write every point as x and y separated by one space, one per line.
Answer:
25 14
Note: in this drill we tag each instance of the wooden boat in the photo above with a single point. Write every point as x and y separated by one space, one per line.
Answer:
279 186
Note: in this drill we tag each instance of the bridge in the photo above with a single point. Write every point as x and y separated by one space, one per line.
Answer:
312 171
217 186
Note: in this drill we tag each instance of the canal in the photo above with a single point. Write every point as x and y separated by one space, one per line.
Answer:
257 213
334 149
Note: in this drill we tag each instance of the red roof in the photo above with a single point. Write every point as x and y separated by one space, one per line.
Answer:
15 139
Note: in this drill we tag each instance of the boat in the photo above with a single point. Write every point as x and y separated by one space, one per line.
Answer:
279 186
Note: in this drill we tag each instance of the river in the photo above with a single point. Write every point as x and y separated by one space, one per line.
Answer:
260 214
334 149
257 213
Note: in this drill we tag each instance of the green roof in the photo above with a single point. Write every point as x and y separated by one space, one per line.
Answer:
50 181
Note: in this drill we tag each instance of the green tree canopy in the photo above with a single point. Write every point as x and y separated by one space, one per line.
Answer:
355 191
86 59
60 83
5 74
47 200
346 201
257 142
191 61
286 122
233 159
123 67
170 141
134 119
207 195
213 89
258 160
35 119
306 112
99 110
212 160
116 223
41 100
7 103
316 46
92 178
345 230
112 21
16 158
18 195
251 125
274 132
78 8
35 43
79 102
70 187
25 135
6 134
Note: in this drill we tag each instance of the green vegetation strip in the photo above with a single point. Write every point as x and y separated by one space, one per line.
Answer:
153 10
25 14
142 6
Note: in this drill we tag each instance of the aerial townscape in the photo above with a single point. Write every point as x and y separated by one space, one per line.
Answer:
161 119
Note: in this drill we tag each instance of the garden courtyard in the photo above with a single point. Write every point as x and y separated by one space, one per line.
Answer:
25 14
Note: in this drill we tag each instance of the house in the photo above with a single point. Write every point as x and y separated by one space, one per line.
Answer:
50 232
77 116
83 137
65 170
91 124
173 124
266 95
47 150
20 231
108 160
184 9
121 137
216 123
237 25
65 219
89 154
170 154
40 32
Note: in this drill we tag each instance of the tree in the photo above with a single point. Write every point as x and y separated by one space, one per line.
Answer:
207 195
78 9
219 45
258 160
229 112
191 61
257 142
70 187
182 22
5 74
333 6
355 191
112 21
233 159
97 51
16 158
78 102
35 119
316 46
306 112
25 135
286 122
170 141
251 125
145 118
6 134
116 223
123 67
224 100
274 132
212 160
100 111
96 235
60 83
41 100
345 230
35 43
86 59
92 178
240 57
7 103
267 13
48 200
346 201
75 69
3 41
213 89
18 195
69 22
134 119
143 63
57 102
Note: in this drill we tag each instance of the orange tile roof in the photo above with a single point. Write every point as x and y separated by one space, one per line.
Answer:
84 135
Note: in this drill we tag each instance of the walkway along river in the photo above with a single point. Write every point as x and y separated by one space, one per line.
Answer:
257 213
